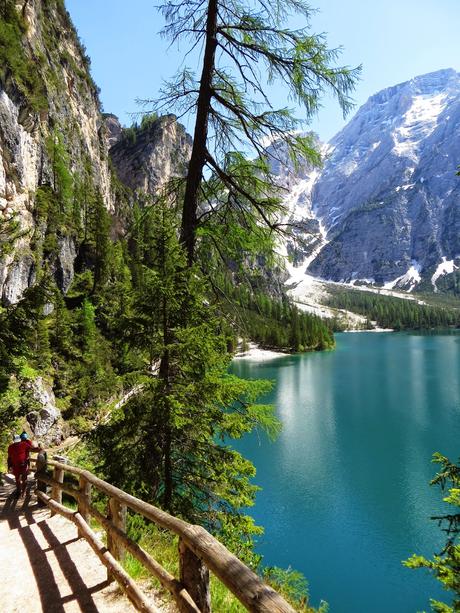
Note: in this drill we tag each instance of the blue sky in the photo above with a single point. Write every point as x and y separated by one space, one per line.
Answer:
394 40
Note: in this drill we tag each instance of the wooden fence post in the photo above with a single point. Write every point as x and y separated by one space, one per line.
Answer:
84 499
194 575
116 512
40 471
56 492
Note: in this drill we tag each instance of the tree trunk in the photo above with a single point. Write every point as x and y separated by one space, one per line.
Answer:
164 375
168 470
198 157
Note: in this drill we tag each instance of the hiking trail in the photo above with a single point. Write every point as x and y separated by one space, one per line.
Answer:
45 567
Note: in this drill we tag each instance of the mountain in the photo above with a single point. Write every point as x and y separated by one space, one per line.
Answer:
146 156
50 129
54 150
60 203
387 196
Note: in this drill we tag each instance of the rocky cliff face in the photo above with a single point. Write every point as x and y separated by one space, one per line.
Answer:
388 194
51 133
307 231
54 145
113 127
146 157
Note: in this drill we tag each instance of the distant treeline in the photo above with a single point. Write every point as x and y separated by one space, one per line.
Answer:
396 313
274 323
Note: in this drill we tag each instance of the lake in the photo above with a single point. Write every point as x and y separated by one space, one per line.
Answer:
346 492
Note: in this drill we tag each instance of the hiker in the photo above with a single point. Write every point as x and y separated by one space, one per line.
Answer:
18 460
23 436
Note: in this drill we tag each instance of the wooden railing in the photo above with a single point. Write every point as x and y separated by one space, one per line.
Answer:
199 551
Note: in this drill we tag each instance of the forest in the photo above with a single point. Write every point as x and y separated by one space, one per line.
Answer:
136 349
395 313
168 286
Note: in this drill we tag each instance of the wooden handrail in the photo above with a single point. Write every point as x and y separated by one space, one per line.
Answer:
125 581
197 546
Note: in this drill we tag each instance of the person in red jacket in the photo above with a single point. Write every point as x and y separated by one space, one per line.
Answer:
18 461
29 446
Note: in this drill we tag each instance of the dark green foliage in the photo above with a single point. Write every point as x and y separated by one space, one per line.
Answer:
449 283
96 244
63 340
446 565
397 313
62 176
72 207
239 260
130 135
49 217
24 350
293 586
275 323
168 442
40 335
10 231
53 210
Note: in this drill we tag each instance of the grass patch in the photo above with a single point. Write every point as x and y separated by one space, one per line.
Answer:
163 547
15 62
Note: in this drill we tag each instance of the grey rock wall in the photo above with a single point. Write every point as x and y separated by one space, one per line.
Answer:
146 160
388 195
72 112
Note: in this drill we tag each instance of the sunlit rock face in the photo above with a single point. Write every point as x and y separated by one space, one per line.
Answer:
113 127
388 195
45 421
70 112
145 159
67 129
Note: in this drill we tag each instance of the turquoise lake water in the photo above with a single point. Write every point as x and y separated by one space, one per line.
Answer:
345 491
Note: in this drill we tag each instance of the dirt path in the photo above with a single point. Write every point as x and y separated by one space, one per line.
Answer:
44 567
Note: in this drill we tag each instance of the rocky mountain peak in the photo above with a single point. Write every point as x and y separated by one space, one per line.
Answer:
146 156
387 195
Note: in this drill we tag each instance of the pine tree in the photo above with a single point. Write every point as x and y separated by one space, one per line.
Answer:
446 565
169 441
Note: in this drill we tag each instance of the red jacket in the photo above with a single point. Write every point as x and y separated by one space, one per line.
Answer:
18 453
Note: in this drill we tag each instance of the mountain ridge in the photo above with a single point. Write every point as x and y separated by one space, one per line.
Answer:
390 173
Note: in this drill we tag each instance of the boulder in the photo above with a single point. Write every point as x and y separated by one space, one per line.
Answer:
44 418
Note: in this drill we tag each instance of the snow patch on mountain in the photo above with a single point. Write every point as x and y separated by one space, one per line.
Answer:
307 292
446 267
383 210
298 202
418 123
409 280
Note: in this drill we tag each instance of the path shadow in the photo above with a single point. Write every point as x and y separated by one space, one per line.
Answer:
16 511
69 569
15 508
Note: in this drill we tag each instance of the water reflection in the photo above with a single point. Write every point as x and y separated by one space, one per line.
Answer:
345 493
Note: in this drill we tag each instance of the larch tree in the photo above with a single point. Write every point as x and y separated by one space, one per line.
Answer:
246 47
170 441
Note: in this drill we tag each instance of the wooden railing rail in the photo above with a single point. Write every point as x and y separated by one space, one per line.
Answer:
199 551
